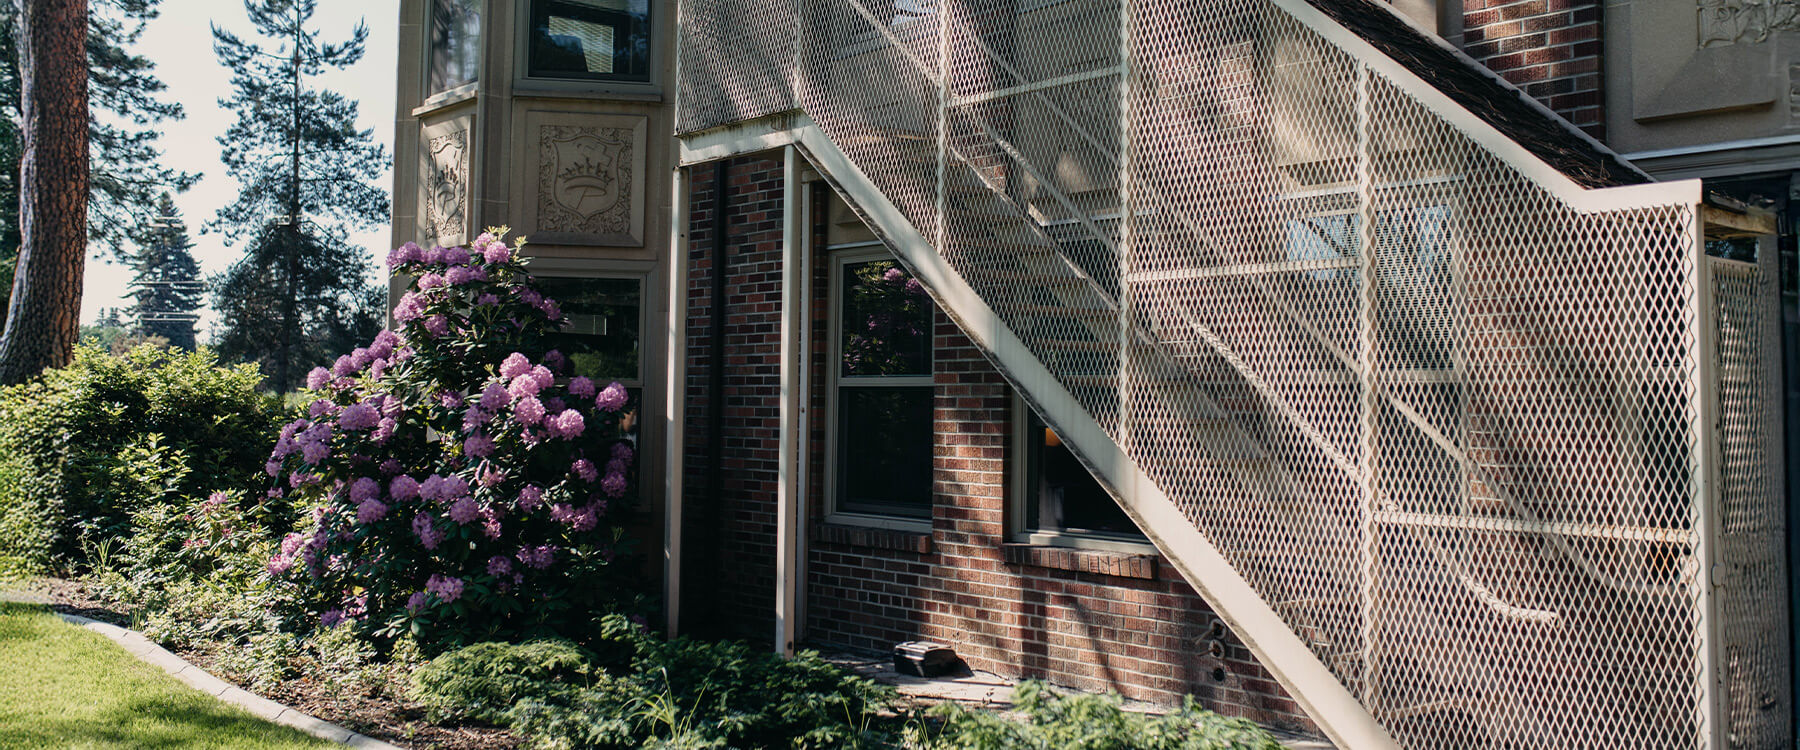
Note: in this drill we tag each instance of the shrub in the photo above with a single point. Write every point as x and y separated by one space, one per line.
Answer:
484 681
459 488
1086 722
84 447
643 691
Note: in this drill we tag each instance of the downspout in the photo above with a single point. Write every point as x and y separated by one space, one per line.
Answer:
715 387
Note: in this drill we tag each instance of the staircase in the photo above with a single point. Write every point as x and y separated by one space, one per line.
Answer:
1368 372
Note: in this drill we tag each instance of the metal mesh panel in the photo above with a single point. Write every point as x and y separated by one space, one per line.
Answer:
745 72
1753 630
1444 424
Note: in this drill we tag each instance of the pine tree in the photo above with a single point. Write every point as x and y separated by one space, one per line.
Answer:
166 288
42 318
301 292
128 113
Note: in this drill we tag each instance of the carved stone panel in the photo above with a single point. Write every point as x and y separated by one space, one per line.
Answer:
444 180
1734 21
447 186
588 183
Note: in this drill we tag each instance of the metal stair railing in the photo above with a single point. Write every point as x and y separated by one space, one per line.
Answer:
1540 604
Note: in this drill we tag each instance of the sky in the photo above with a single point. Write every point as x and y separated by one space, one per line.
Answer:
180 43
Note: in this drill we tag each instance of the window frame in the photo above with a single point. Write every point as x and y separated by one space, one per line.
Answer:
649 89
839 257
1021 494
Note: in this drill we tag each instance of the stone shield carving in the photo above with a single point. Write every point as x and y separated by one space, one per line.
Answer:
447 185
585 179
1732 21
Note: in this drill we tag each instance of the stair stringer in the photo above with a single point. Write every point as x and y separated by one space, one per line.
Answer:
1278 648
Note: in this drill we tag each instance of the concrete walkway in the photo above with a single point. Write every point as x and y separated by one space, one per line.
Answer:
991 691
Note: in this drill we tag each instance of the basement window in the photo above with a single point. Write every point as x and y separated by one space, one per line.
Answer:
1062 501
881 395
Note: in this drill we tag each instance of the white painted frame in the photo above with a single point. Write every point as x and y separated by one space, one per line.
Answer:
790 493
675 353
837 258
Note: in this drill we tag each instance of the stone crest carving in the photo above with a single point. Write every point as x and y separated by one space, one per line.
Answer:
447 185
585 179
1725 22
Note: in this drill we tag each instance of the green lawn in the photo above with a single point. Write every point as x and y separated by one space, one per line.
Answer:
65 687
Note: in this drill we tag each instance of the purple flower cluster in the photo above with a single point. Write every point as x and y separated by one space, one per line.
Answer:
539 557
417 457
445 588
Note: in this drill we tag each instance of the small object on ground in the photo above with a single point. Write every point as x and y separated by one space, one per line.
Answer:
926 659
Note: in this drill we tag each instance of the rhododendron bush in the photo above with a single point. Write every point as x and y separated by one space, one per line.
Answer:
461 487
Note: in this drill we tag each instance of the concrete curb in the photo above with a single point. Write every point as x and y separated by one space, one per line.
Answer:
197 678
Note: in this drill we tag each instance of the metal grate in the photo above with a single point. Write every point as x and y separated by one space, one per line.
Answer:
1445 424
1753 628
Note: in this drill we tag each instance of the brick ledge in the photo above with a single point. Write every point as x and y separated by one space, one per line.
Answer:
1098 562
867 536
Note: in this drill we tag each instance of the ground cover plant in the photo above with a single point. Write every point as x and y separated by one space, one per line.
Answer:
61 686
1084 722
635 689
460 486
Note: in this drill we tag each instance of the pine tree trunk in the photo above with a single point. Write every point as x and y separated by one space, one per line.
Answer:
44 317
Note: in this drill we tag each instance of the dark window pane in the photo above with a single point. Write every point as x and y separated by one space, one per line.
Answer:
887 321
601 340
455 43
1067 497
884 451
591 39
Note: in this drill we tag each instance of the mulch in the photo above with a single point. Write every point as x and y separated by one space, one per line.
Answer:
399 722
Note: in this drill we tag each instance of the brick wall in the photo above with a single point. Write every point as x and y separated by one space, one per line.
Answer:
729 544
1096 621
1550 48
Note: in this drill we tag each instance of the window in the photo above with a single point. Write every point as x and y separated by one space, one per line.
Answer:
455 44
601 340
606 40
881 388
1060 496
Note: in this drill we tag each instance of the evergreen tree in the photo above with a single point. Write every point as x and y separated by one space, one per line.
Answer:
42 316
301 292
166 285
127 112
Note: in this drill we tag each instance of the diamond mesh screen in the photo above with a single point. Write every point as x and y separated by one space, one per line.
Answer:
1444 424
1753 628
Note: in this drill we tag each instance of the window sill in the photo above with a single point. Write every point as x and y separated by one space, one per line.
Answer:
878 538
537 88
445 100
1099 562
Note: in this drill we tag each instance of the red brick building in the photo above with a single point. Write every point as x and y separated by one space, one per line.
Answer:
1032 328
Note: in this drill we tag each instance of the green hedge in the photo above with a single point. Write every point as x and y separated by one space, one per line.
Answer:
84 447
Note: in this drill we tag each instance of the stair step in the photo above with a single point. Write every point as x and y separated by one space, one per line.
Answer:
1076 345
1091 313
